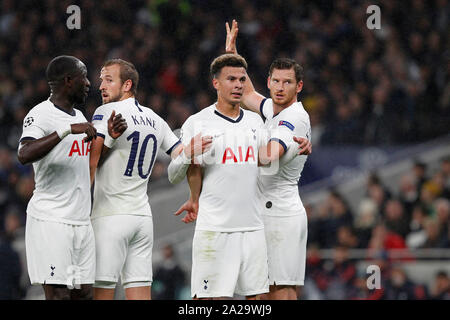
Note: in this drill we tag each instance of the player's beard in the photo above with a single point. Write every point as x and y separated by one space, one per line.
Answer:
112 98
79 99
286 101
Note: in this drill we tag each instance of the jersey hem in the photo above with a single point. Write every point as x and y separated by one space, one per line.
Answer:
229 229
286 283
253 292
120 214
64 221
281 215
211 295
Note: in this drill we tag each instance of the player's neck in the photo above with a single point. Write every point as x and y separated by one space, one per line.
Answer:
227 109
277 108
62 102
126 96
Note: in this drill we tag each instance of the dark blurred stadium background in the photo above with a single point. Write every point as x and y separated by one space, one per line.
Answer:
377 185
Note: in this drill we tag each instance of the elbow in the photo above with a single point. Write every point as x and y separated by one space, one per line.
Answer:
22 158
173 179
171 176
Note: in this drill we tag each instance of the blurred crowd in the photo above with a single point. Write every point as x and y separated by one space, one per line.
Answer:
389 225
369 87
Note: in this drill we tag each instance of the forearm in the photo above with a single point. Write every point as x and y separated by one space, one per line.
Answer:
33 150
97 155
250 98
273 151
178 165
195 180
177 169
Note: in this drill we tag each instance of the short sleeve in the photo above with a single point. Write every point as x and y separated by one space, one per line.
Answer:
100 121
34 126
266 109
186 132
285 132
170 140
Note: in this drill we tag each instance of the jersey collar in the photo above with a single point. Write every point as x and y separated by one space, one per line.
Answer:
73 113
241 115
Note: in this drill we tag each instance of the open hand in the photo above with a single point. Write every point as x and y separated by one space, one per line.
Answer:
198 145
230 44
191 208
304 146
116 125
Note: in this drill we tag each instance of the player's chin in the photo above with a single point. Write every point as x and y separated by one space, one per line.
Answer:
81 100
235 99
280 101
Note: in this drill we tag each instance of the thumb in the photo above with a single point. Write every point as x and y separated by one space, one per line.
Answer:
113 114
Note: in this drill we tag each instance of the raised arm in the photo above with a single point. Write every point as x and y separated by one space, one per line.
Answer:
251 99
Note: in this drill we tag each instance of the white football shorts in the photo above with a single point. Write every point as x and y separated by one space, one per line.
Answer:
124 246
224 263
59 253
286 248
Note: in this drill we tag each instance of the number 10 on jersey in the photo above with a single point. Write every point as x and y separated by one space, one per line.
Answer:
135 138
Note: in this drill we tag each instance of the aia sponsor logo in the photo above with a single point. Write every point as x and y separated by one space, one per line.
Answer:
80 148
230 156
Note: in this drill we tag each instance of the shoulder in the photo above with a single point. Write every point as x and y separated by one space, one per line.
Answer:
40 113
203 114
105 110
79 114
266 102
110 106
41 108
295 113
304 116
148 112
252 116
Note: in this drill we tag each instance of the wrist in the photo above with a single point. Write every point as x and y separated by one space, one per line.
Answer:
64 131
194 198
109 141
186 154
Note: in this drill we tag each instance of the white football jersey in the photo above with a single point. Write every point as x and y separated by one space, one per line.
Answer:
121 179
278 192
228 200
62 186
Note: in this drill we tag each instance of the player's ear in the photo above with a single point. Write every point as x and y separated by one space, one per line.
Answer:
299 86
68 81
215 83
127 85
268 82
